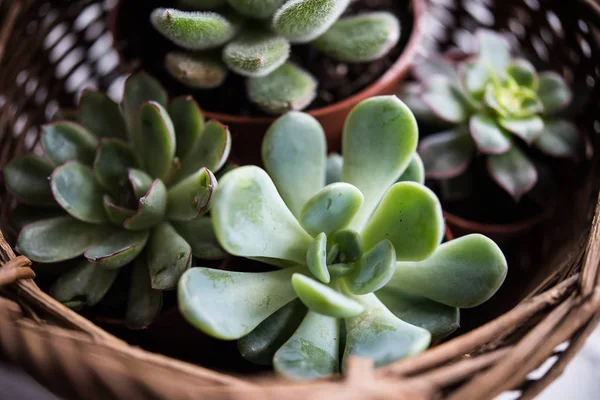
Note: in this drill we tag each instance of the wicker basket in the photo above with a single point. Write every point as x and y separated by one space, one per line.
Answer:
50 49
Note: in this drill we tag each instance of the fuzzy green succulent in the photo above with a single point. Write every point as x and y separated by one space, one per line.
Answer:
361 271
254 39
125 187
498 106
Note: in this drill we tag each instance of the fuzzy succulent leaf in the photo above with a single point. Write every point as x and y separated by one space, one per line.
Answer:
415 172
374 270
513 171
143 303
494 50
488 135
151 208
68 141
101 116
256 8
188 122
559 138
169 256
26 178
334 165
360 38
191 197
256 53
528 128
117 250
446 100
157 139
447 154
201 237
553 92
140 88
210 151
316 258
116 213
524 73
113 160
198 71
287 88
257 296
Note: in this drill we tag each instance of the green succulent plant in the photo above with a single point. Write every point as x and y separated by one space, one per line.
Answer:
497 106
127 186
361 271
255 37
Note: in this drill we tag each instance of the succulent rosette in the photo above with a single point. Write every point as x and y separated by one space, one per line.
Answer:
361 269
497 106
121 187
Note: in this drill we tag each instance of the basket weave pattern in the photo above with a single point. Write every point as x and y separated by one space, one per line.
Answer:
49 50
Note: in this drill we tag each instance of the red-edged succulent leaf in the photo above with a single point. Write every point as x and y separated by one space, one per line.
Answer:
447 154
446 99
559 138
489 137
513 171
553 92
528 128
151 208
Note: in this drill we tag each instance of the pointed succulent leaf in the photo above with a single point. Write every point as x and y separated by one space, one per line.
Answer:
188 122
116 214
157 139
26 178
313 350
256 8
553 92
475 77
489 137
83 286
256 53
197 71
169 256
513 171
101 115
140 88
415 172
287 88
75 188
316 258
447 154
446 100
360 38
144 303
374 165
559 138
194 30
113 160
464 272
334 165
251 219
151 208
493 49
260 345
528 128
58 239
374 269
229 305
117 250
411 94
191 197
350 245
210 151
304 20
293 152
331 209
66 141
140 182
524 73
409 216
323 299
439 319
379 335
201 237
204 4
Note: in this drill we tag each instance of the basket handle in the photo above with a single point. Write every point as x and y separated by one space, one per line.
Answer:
15 269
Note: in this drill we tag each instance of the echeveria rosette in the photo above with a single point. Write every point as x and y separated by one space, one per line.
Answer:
497 106
254 39
362 270
130 187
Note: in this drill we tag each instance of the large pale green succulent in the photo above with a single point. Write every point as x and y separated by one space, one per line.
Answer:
361 271
255 38
122 189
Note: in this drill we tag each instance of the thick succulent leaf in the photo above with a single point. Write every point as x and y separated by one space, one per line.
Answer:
101 115
446 100
494 49
528 128
157 139
316 258
331 209
75 188
140 182
201 237
513 171
197 71
409 216
489 137
439 319
323 299
447 154
151 208
256 53
116 214
559 138
524 73
229 305
169 256
58 239
188 122
340 269
194 30
379 335
210 151
144 303
191 197
436 64
293 152
304 20
374 165
113 160
411 94
287 88
66 141
334 165
256 8
117 250
463 273
350 245
554 93
415 172
475 77
83 286
260 345
360 38
23 215
140 88
374 270
26 178
313 350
